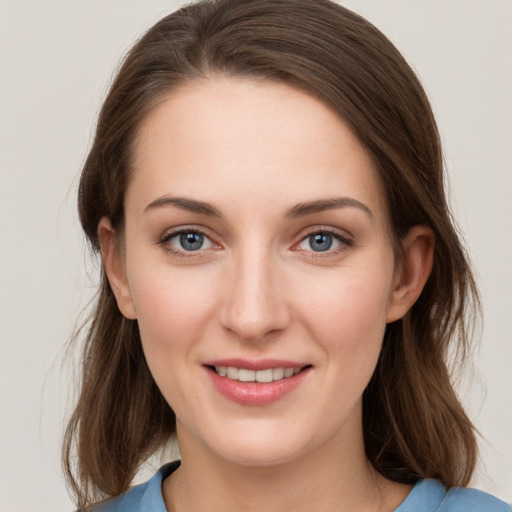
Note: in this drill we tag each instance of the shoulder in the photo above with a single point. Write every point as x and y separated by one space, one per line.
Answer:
431 496
143 497
461 499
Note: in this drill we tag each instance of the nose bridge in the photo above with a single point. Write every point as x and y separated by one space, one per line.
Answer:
254 305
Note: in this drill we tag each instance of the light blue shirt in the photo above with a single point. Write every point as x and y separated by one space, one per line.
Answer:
426 496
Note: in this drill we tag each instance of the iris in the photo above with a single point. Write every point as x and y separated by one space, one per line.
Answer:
320 242
191 241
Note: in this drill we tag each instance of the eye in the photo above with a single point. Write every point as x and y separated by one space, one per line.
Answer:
186 241
324 241
190 241
319 242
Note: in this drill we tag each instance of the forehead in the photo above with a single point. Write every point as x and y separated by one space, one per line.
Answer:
248 136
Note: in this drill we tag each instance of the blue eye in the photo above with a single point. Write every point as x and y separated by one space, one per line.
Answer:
323 241
191 241
320 242
186 241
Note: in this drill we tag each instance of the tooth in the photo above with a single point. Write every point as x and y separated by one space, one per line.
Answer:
265 375
246 375
278 373
232 372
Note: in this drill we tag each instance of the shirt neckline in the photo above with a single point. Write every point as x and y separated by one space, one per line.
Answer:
425 496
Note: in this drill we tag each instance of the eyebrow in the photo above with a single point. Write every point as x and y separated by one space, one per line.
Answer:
310 207
184 203
299 210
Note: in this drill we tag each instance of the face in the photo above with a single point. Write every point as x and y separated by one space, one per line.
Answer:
257 261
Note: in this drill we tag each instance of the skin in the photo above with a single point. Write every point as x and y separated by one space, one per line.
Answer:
257 289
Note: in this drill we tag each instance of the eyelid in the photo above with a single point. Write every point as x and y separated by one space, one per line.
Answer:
322 228
345 239
169 234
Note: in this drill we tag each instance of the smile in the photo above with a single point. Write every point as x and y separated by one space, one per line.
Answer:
264 376
261 384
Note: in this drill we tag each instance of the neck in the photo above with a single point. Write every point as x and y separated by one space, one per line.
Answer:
316 481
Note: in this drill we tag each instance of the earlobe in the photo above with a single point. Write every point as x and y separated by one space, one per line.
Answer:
115 268
412 272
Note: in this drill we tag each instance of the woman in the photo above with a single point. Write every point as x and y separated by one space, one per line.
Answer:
282 281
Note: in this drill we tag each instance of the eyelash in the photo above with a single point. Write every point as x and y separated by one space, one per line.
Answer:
344 241
165 239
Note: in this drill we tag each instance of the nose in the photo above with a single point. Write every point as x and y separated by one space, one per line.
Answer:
254 304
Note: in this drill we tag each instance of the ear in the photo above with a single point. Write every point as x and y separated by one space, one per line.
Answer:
412 272
114 264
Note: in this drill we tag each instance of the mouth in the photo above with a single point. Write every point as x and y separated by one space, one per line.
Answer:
256 383
266 375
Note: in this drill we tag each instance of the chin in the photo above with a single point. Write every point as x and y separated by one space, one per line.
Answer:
260 446
257 455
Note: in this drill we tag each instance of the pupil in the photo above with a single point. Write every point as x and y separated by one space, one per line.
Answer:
191 241
320 242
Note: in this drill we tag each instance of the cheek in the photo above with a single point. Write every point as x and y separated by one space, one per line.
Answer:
172 306
348 321
173 310
347 313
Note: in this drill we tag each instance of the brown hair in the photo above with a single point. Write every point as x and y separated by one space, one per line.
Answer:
414 425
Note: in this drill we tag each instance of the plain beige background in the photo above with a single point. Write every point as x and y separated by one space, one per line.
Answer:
56 60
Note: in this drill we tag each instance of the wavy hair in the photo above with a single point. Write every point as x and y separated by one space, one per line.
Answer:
414 425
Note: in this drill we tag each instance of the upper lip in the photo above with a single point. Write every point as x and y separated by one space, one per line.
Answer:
261 364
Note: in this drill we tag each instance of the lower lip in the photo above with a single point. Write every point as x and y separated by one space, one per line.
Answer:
256 393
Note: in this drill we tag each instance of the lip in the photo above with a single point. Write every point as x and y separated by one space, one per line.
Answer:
261 364
256 393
